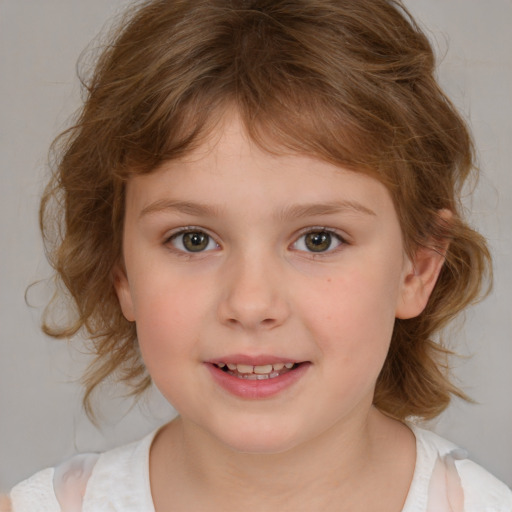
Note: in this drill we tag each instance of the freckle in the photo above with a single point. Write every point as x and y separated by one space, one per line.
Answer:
329 279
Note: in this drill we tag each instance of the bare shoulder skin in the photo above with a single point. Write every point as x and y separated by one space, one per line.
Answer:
5 503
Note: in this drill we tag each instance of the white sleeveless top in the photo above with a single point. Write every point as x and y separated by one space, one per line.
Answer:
118 481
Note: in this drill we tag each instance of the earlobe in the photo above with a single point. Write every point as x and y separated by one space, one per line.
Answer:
122 287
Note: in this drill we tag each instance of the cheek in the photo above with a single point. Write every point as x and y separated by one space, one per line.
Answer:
170 315
353 316
167 333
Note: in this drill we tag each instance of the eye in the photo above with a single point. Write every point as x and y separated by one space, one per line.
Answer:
318 241
193 241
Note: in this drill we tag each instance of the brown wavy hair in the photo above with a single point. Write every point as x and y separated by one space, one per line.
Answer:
348 81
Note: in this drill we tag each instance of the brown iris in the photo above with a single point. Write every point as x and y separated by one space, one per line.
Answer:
195 241
318 241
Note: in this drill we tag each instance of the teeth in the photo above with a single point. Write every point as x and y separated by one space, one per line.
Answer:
263 369
257 372
244 368
254 376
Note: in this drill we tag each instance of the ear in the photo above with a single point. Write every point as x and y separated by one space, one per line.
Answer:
124 295
420 275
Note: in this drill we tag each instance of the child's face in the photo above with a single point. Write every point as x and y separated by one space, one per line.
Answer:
233 255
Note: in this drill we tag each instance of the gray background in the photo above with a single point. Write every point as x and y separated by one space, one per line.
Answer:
41 421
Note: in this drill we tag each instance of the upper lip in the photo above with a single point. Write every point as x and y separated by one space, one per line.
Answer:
258 360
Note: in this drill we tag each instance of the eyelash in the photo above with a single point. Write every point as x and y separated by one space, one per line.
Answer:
192 230
332 234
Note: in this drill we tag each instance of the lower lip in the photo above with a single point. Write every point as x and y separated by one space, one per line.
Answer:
257 389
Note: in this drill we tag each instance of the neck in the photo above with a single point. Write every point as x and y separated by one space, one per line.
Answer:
335 450
326 469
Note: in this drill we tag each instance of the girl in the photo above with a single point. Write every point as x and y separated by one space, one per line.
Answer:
259 212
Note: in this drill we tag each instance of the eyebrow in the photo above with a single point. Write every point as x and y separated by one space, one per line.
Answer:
187 207
290 212
311 210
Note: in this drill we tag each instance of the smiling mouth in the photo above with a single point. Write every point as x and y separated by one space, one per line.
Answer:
260 372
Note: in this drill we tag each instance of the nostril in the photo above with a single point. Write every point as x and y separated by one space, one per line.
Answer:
252 307
247 322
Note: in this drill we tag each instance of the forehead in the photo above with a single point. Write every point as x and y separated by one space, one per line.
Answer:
230 171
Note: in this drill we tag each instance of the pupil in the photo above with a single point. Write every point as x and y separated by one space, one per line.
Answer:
195 241
319 241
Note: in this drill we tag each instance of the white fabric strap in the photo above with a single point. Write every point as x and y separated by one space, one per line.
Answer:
70 481
445 490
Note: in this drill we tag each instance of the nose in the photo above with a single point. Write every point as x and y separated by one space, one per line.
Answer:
253 296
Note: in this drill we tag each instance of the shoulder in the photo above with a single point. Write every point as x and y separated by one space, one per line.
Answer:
460 477
482 490
89 482
120 480
54 489
35 493
5 503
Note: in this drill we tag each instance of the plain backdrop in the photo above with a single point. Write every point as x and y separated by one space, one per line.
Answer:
41 420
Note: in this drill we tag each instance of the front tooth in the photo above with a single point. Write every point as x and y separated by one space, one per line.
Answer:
278 366
232 367
221 365
288 365
267 368
244 368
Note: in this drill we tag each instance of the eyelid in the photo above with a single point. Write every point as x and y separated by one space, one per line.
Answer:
343 239
341 236
169 236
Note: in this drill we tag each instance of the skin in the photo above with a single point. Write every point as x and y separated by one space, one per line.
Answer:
257 288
